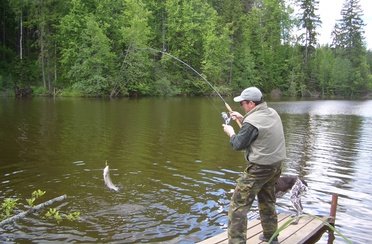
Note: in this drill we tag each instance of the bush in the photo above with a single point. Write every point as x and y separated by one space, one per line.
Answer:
163 87
39 91
71 92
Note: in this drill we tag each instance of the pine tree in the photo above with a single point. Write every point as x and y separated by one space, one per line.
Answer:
348 41
309 21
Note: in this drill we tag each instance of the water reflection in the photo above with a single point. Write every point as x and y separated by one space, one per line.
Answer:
327 151
173 164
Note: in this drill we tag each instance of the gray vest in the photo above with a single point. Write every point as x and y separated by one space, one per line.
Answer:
269 147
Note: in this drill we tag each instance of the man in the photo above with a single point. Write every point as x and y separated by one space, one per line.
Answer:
262 138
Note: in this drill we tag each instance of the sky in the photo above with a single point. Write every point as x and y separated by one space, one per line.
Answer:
329 12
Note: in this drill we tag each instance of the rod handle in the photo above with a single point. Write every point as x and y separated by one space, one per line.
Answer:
230 110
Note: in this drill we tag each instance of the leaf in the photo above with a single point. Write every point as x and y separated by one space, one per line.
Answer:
30 201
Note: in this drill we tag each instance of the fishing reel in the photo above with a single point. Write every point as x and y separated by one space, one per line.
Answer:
226 118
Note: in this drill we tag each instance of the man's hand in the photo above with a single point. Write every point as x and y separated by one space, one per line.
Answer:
236 116
229 130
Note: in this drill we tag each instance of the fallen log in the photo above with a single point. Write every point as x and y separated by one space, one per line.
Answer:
32 210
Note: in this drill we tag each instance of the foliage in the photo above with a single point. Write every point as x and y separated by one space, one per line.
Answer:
35 195
340 75
10 205
325 60
73 216
70 92
100 48
54 214
39 90
265 42
348 42
163 87
135 34
92 62
309 21
217 55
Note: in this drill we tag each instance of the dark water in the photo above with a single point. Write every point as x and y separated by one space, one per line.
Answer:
173 164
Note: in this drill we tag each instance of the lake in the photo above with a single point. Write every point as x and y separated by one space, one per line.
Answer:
173 164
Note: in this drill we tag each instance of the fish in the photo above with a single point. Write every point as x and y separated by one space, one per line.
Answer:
107 179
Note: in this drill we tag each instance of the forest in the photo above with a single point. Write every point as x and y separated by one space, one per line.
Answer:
116 48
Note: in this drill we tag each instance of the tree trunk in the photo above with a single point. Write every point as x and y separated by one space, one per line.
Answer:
42 45
55 64
48 73
21 37
4 29
163 30
42 58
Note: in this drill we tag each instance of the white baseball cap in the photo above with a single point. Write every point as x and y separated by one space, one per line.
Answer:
249 94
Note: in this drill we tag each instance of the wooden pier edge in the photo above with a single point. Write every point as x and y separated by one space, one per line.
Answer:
312 234
331 220
332 213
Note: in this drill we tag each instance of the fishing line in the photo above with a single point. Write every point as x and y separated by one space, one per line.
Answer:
190 67
204 79
193 75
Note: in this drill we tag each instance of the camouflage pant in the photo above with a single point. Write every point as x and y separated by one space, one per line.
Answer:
256 180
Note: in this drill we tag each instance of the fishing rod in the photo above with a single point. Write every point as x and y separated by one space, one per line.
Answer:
224 115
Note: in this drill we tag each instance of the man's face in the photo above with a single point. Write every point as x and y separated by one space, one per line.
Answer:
247 105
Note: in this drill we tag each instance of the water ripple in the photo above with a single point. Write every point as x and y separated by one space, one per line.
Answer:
175 171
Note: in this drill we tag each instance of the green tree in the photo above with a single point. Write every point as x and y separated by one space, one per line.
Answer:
348 31
69 38
44 16
86 51
135 34
243 72
100 47
157 23
8 43
192 34
341 76
234 15
369 63
325 60
91 71
185 22
108 14
309 21
216 46
265 26
348 41
23 75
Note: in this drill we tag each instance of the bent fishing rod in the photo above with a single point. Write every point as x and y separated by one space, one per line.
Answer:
224 115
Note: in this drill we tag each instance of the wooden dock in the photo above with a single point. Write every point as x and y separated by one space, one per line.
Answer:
308 230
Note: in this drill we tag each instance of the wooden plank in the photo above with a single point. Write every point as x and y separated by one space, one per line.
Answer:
300 234
254 229
306 228
254 233
285 235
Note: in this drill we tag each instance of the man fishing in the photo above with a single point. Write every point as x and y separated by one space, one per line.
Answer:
262 138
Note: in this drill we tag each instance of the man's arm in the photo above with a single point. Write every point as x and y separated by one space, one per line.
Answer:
246 135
